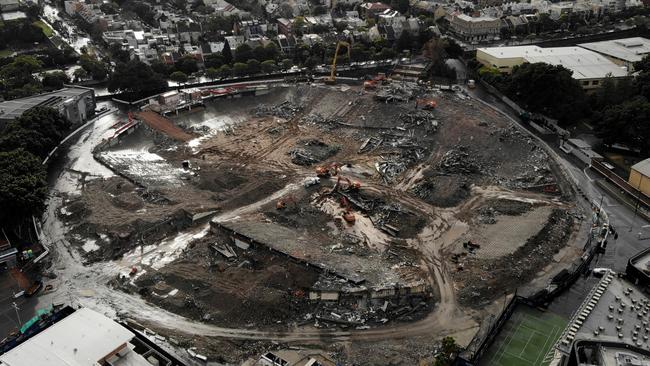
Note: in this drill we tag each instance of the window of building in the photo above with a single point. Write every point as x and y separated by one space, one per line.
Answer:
585 82
595 82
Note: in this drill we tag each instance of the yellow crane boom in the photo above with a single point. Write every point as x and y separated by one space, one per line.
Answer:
332 78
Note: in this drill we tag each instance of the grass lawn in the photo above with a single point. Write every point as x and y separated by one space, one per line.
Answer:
526 339
6 53
46 29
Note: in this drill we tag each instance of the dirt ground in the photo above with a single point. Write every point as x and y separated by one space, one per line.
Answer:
430 181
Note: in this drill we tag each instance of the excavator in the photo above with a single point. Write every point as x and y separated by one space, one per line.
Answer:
377 80
348 186
331 80
347 214
426 104
324 171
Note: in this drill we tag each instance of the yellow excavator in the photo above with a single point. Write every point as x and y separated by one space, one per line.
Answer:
331 80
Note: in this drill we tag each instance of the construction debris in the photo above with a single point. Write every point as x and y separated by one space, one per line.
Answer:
286 110
311 151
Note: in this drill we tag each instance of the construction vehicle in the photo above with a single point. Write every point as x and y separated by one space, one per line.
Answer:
347 214
323 171
426 104
282 202
331 80
350 186
377 80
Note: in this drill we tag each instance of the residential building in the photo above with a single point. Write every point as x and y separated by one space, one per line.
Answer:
235 41
557 10
623 52
8 6
224 8
475 29
189 32
287 43
640 176
210 48
77 104
588 67
251 28
285 26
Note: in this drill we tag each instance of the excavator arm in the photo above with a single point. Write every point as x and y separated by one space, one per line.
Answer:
332 78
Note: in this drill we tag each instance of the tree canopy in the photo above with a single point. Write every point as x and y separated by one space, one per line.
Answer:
37 131
23 186
136 77
546 89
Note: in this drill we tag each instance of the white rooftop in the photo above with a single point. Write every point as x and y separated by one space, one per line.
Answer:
643 167
81 339
468 18
583 63
628 49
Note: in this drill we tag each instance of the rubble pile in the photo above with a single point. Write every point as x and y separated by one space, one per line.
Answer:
395 93
419 118
311 151
286 110
319 121
389 169
459 161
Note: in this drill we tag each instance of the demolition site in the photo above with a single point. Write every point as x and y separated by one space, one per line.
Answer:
322 215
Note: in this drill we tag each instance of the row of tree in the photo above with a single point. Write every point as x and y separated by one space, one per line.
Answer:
619 110
24 143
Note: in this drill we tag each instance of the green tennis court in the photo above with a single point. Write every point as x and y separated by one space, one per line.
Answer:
526 338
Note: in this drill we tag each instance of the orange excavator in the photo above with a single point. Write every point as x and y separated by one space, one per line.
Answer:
347 215
372 84
325 171
282 202
426 104
349 186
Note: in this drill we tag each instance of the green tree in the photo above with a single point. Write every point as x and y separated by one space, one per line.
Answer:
38 131
240 69
259 53
243 53
404 42
272 51
94 67
160 67
137 78
448 351
18 79
253 66
547 89
179 77
268 66
214 60
55 80
187 65
212 73
286 64
23 186
80 74
627 123
226 53
225 71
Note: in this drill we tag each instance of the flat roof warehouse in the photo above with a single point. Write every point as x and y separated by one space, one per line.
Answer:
12 109
584 64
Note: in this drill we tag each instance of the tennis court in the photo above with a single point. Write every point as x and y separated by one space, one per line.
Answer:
525 339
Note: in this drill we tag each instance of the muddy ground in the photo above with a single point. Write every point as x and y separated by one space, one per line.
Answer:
430 181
